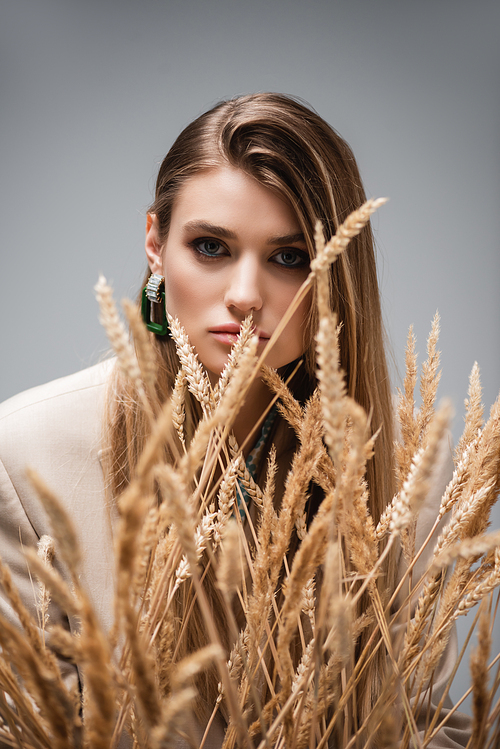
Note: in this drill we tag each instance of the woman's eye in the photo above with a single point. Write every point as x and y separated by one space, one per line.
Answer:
209 247
291 258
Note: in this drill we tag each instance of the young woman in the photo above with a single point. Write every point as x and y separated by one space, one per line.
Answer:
230 233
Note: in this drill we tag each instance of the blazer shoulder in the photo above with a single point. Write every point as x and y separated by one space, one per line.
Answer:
65 389
56 428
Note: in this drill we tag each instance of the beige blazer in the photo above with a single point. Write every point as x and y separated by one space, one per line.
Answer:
56 429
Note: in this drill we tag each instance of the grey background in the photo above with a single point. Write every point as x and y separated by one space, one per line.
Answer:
93 93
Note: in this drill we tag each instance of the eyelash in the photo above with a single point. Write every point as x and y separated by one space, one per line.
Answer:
301 256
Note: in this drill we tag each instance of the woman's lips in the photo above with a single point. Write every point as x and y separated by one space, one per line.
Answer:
228 334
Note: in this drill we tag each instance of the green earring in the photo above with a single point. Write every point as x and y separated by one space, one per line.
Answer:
154 293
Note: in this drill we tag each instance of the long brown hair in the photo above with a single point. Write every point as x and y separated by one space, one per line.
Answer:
292 151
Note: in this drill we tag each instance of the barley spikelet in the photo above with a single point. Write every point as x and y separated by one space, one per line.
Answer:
202 536
331 385
226 498
303 669
58 588
288 406
118 337
164 643
485 471
482 589
407 448
429 381
197 379
234 667
351 227
234 392
462 517
247 483
355 518
148 540
318 702
301 526
272 467
178 412
309 600
470 547
414 489
457 483
473 412
46 553
242 341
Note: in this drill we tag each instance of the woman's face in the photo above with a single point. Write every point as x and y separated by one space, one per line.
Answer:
233 248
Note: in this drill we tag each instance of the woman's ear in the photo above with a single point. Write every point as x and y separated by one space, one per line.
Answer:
153 247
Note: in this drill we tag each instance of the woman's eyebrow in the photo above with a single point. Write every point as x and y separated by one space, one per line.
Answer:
208 228
287 239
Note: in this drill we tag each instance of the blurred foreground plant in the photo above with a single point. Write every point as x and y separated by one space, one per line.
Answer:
303 629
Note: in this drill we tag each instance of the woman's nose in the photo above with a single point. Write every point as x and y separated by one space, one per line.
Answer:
244 291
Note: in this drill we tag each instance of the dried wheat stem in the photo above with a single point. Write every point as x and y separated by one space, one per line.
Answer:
100 706
134 506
